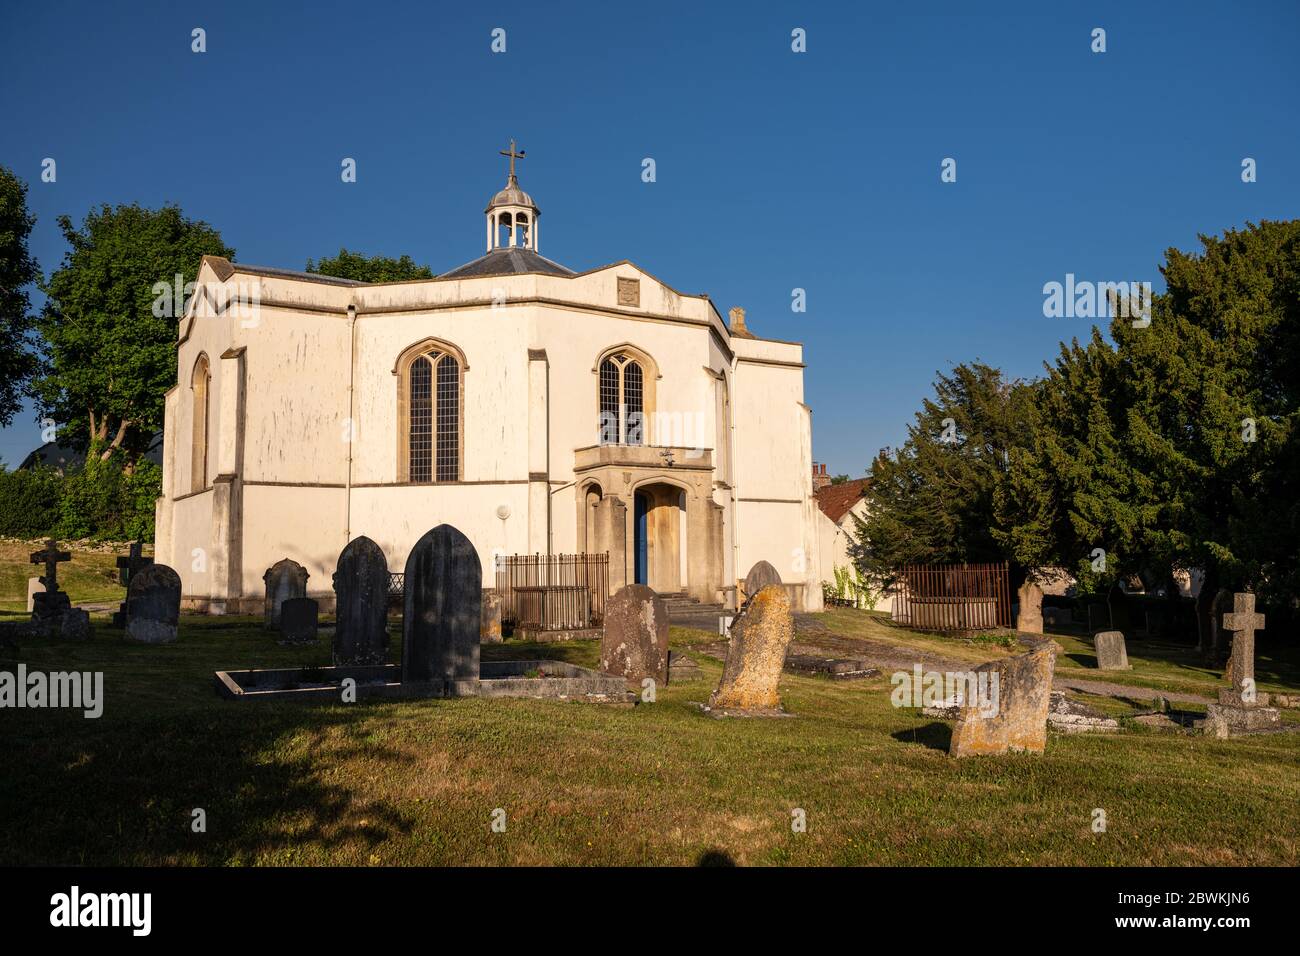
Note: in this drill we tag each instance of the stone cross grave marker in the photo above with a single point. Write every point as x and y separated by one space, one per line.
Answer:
51 603
443 612
1242 621
361 587
127 567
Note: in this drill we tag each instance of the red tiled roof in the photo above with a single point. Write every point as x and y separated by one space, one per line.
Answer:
836 500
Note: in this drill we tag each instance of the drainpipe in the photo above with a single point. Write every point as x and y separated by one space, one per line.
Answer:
352 374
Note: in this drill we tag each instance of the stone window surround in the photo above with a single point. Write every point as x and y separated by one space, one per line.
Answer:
401 369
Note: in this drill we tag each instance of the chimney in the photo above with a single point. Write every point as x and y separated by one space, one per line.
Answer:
737 316
820 478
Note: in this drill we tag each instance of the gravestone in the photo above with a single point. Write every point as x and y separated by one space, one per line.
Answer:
284 580
153 605
34 587
634 645
1030 616
75 625
760 576
361 616
49 606
443 612
298 620
127 565
1019 719
760 636
1112 652
489 631
1074 717
1241 708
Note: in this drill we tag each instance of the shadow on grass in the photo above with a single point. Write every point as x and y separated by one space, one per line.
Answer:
715 858
934 736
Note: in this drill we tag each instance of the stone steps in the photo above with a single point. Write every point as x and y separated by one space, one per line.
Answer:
686 611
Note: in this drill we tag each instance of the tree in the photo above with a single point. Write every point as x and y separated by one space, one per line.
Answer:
932 500
362 268
1073 498
111 348
1213 409
18 270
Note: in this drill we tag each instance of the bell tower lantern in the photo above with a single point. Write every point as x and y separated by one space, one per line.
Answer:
512 214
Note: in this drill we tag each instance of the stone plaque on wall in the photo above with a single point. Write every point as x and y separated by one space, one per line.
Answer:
629 292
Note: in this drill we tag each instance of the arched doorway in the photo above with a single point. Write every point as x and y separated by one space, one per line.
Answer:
658 537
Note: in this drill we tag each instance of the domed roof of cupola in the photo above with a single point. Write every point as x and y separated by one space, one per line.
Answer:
512 195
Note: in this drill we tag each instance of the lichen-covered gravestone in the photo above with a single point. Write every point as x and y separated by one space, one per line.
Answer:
284 580
760 636
760 576
634 645
361 591
1029 618
298 617
1013 713
443 612
153 605
490 628
1112 652
1241 708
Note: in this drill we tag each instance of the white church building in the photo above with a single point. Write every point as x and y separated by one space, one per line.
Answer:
537 409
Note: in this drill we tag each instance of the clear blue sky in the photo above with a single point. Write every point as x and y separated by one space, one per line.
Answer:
775 170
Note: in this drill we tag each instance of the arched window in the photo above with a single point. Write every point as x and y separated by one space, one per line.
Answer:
622 400
429 406
200 387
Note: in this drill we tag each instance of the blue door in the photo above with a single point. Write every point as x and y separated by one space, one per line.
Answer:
640 505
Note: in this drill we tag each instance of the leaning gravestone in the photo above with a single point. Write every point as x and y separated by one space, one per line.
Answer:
760 636
1030 616
284 580
760 576
490 627
443 612
153 605
1016 719
1112 652
361 590
298 621
634 645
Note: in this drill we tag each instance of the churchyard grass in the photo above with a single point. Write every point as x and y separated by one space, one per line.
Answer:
416 782
90 576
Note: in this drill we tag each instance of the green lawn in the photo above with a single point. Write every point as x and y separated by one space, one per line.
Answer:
89 576
416 782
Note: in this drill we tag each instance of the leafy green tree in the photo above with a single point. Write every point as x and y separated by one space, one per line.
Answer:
18 270
1073 498
933 499
111 347
1213 410
363 268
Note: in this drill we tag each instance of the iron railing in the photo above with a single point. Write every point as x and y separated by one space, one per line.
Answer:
953 597
552 592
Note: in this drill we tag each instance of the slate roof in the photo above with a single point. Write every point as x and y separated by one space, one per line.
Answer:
294 274
836 500
508 261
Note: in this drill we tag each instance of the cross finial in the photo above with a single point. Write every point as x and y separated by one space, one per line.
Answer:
513 156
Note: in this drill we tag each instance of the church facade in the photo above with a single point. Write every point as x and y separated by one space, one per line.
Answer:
537 409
